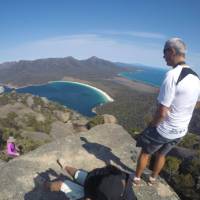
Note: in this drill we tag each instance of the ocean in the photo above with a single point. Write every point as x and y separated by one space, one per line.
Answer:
147 75
72 95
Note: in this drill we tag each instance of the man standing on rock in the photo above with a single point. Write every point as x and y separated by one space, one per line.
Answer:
177 98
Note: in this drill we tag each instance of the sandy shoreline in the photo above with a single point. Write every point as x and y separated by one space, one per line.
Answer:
67 80
108 98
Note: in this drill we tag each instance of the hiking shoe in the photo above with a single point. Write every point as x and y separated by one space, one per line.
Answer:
136 181
151 181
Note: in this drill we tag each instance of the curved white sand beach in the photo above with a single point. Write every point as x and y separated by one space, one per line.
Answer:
104 94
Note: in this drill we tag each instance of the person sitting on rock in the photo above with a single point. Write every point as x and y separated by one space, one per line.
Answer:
12 149
106 183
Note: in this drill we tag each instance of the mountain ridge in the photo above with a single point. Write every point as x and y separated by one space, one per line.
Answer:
43 70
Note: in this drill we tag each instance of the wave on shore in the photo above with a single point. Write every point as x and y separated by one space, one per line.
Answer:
104 94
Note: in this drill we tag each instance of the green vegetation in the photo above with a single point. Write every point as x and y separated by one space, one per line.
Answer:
133 109
183 174
4 99
191 141
172 166
95 121
11 98
9 122
184 185
38 101
13 124
28 144
34 125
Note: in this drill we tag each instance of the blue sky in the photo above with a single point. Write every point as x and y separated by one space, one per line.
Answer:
118 30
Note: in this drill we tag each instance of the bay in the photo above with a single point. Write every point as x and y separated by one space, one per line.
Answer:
78 97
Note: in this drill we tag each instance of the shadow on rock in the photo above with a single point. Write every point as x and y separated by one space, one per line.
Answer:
103 153
39 192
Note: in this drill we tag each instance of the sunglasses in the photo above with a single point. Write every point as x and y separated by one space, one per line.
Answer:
165 50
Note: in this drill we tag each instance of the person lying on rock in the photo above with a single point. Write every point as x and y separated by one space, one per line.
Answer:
106 183
12 149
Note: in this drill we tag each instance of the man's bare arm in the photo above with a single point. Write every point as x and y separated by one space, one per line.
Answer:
161 113
198 104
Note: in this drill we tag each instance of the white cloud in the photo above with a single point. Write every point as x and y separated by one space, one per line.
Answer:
148 35
83 46
87 45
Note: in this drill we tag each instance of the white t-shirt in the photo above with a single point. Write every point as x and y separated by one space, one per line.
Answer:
181 99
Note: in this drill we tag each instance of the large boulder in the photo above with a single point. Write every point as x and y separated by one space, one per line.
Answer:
45 100
36 136
60 129
2 163
62 116
80 124
40 117
109 119
108 143
18 108
30 101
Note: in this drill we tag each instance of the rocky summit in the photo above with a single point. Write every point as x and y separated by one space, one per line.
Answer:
102 144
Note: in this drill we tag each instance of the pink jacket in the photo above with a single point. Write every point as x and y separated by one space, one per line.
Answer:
11 150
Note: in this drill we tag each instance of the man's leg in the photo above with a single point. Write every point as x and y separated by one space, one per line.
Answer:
158 165
142 163
70 170
53 186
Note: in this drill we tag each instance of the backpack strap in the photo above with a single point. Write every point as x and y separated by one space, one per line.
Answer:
184 72
128 191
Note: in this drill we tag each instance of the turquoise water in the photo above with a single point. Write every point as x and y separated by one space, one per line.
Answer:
150 76
72 95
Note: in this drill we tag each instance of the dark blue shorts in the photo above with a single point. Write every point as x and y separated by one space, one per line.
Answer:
151 141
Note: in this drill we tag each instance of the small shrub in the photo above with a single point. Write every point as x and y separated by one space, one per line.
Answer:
4 157
4 99
35 125
38 101
189 140
135 132
28 144
95 121
172 165
11 116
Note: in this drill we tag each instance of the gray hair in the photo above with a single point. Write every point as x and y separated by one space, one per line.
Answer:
177 44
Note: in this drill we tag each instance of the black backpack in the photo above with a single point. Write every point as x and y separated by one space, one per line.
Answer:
106 184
